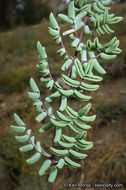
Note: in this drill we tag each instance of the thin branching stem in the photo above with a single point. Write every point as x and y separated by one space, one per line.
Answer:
35 147
53 186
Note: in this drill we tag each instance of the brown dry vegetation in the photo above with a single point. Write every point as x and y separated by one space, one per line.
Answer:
106 162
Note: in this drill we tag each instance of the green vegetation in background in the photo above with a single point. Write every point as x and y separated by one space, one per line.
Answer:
19 12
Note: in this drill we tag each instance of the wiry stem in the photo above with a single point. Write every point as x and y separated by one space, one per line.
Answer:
62 44
53 186
35 147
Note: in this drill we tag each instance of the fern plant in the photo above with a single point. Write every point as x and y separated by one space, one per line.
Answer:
82 72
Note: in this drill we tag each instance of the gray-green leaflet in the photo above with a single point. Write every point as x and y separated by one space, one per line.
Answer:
80 73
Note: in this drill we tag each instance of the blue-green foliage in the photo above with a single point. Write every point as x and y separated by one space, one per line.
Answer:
81 73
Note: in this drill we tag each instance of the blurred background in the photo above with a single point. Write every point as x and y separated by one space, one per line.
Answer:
22 24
